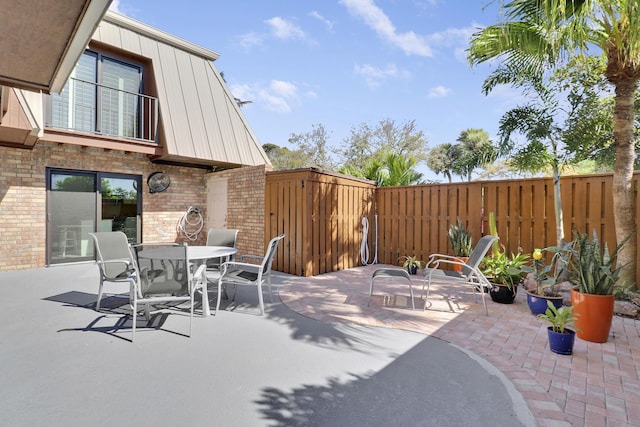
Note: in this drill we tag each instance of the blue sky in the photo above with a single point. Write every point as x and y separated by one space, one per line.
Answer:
341 63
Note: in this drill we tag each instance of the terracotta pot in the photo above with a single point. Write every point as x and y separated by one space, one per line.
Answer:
594 314
458 268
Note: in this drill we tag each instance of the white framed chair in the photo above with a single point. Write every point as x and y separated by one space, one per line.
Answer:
161 276
114 258
220 237
470 273
239 273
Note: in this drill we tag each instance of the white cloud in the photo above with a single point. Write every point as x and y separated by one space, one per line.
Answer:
322 19
283 29
410 43
249 40
439 92
278 96
375 75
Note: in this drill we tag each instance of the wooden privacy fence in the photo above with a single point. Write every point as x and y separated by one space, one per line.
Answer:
322 216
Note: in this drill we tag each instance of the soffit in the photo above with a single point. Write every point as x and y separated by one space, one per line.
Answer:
43 39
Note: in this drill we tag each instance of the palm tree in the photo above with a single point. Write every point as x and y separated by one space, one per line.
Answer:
441 159
388 169
537 35
475 150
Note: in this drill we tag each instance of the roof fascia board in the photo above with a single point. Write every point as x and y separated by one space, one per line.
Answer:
156 34
86 26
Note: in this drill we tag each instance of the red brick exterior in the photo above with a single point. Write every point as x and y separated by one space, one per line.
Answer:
245 207
23 198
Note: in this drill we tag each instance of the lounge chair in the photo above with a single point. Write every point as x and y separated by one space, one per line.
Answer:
470 273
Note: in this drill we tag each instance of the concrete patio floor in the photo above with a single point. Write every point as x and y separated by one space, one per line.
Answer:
323 358
64 364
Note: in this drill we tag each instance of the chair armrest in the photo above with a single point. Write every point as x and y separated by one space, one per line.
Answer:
238 265
437 262
256 257
433 258
126 262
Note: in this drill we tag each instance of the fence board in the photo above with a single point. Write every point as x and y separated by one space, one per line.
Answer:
322 213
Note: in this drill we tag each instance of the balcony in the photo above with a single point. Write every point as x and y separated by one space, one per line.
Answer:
94 108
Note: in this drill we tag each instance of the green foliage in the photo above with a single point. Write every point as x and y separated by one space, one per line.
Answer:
367 142
592 268
504 270
558 317
546 275
474 150
388 169
411 261
441 160
493 230
461 239
312 147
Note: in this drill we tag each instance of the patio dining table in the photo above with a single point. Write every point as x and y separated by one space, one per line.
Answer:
197 255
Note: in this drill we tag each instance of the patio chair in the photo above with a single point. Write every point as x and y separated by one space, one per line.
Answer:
220 237
246 274
114 258
470 273
160 278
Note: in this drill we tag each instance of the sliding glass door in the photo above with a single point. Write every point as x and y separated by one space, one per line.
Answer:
80 202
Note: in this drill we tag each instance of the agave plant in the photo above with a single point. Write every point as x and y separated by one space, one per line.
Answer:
460 239
593 269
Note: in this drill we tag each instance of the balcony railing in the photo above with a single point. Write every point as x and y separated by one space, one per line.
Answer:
85 106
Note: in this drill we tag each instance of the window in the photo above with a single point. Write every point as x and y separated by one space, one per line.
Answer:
102 96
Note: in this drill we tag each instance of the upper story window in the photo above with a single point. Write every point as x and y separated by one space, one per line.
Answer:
104 96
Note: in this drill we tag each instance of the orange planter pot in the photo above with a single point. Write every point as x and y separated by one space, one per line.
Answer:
458 268
594 314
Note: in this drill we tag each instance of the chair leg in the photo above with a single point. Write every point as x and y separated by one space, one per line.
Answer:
370 291
99 295
269 285
135 314
260 300
413 304
426 298
191 315
219 295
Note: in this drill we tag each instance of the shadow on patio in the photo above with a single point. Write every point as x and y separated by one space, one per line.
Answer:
598 384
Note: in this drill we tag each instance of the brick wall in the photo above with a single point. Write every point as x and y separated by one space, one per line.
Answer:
245 207
23 196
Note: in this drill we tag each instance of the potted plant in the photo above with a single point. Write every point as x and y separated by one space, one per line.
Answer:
594 274
561 338
544 282
411 263
505 273
461 242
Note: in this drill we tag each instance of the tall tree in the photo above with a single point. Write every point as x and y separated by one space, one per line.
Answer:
474 150
441 159
313 147
366 142
536 35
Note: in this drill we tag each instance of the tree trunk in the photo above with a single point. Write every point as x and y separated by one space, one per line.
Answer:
623 191
557 206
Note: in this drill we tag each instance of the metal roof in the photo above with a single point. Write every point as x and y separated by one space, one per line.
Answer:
200 121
